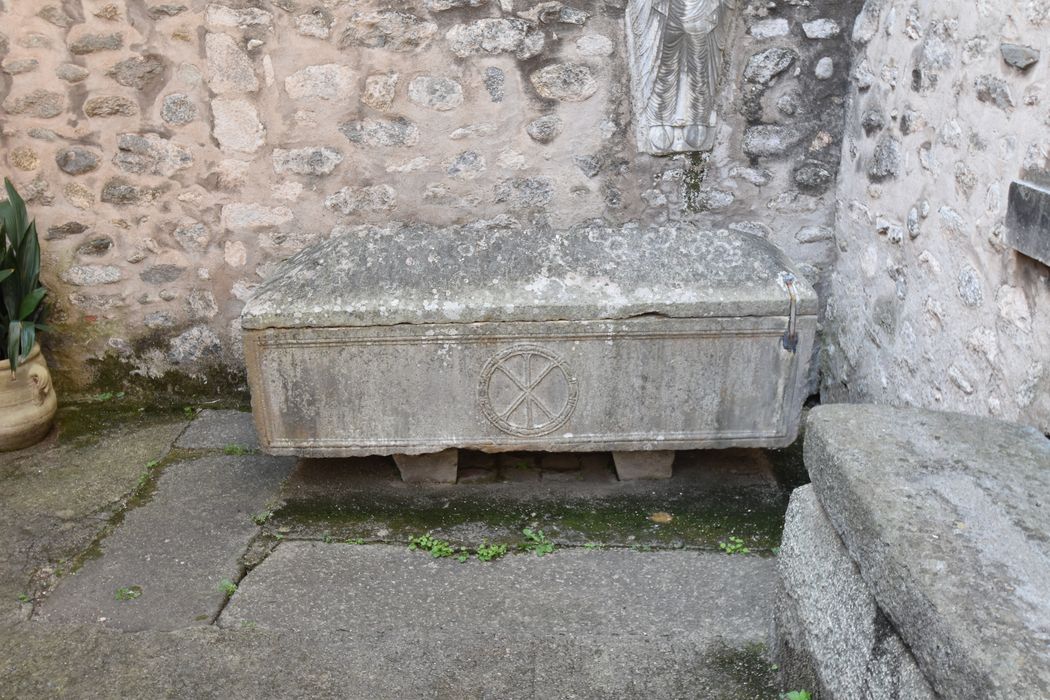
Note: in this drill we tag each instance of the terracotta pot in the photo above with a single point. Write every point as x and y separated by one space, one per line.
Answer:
27 402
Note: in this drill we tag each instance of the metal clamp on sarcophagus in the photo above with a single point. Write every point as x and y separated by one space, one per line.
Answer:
416 341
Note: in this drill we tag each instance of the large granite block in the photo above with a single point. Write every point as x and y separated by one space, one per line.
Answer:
947 519
414 339
829 633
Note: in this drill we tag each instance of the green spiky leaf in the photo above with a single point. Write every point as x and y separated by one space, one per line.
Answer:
14 338
14 215
28 339
30 302
29 259
10 293
22 304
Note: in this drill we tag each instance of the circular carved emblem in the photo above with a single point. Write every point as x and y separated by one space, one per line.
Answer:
527 390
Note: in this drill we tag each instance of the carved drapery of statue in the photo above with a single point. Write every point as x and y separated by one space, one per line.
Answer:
676 49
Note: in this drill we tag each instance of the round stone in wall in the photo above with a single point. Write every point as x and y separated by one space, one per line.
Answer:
380 90
567 82
494 83
825 68
79 196
971 291
19 66
95 246
316 23
313 160
766 65
24 158
71 72
178 109
76 160
441 94
545 128
91 275
110 106
140 72
594 45
39 104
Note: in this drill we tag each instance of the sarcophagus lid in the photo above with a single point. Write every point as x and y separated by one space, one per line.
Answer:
481 273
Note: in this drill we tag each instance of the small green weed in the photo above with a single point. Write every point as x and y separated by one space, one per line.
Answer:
23 598
488 552
440 549
236 450
355 540
227 587
107 395
189 411
437 548
733 545
144 477
261 518
128 592
797 695
537 542
593 545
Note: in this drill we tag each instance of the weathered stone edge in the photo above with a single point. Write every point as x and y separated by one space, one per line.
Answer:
864 656
942 659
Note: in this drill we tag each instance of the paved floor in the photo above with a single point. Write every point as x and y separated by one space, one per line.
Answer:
358 589
174 552
159 555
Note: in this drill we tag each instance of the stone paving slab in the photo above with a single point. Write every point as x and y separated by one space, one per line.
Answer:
946 517
364 589
56 497
216 429
192 532
177 548
465 664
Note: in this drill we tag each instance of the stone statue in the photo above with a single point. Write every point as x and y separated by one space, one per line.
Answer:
676 49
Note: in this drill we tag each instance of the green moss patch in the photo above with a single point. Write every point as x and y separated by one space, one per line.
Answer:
90 417
698 521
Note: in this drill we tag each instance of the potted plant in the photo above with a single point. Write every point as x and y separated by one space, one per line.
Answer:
27 400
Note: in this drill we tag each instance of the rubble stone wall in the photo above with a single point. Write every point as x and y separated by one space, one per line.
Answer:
174 150
949 103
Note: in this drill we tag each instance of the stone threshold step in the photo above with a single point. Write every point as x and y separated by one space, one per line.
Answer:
468 664
362 589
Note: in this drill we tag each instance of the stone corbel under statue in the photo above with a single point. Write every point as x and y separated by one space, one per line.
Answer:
676 49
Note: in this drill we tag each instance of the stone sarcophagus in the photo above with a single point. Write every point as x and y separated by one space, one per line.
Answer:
414 341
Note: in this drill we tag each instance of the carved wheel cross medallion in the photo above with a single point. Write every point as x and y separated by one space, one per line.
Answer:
527 390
